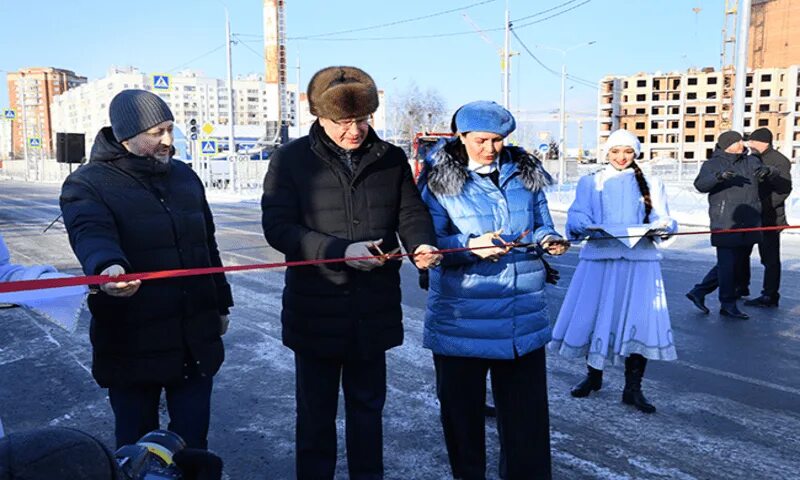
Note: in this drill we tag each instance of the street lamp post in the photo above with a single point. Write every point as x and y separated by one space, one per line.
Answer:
563 109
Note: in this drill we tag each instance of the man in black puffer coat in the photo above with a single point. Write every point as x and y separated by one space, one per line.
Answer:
342 192
731 178
133 209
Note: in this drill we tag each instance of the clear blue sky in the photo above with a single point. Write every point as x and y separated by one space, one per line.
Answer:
88 36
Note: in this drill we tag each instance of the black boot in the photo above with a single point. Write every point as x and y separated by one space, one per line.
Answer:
765 301
592 382
632 395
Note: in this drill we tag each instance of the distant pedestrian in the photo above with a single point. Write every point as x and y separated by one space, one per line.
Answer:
731 178
341 192
616 306
773 191
131 209
487 309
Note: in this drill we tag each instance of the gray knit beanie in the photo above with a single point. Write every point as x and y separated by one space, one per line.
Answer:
134 111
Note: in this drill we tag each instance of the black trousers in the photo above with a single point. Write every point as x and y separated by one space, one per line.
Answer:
520 393
188 403
317 396
729 274
769 249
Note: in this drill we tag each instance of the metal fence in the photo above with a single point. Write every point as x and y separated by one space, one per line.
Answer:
237 174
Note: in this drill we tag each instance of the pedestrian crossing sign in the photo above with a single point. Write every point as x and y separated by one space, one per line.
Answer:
9 114
161 82
35 142
208 147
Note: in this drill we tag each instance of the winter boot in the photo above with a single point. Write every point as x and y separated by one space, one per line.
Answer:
592 382
632 395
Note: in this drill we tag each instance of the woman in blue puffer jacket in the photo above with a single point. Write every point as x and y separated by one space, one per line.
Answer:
486 307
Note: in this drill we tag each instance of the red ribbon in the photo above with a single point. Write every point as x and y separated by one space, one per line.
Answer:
22 285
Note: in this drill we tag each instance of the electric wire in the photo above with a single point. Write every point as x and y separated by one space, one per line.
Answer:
553 15
389 24
544 11
196 58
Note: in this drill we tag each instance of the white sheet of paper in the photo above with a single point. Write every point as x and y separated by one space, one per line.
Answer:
633 232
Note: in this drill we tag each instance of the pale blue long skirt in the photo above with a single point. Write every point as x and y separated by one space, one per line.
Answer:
614 308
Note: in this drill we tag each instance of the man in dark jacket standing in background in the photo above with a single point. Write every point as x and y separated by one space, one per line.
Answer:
342 192
134 209
773 192
731 178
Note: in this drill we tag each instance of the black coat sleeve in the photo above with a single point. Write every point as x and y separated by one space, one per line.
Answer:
91 227
224 295
281 218
707 179
415 225
781 183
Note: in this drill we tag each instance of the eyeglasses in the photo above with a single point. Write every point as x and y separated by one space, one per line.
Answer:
347 123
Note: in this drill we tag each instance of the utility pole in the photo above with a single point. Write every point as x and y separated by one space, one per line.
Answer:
741 66
506 59
25 127
231 138
298 111
580 141
562 155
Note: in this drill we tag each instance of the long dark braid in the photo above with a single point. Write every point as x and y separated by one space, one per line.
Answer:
644 188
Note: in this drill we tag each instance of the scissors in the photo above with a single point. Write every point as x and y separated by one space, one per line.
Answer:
376 250
516 242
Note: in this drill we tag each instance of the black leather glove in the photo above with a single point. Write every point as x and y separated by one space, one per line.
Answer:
763 172
726 175
552 276
424 279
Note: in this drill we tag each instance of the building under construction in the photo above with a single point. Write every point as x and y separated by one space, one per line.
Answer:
774 40
679 114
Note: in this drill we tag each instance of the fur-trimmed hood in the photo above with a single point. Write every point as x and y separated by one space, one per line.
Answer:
448 174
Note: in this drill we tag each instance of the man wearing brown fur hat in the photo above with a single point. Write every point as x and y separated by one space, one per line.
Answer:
343 192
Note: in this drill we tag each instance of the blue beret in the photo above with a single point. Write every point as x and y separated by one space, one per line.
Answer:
485 116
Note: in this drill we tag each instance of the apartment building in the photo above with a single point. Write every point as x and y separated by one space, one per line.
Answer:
679 114
190 95
30 92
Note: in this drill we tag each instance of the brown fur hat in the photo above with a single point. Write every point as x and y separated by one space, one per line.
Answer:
342 92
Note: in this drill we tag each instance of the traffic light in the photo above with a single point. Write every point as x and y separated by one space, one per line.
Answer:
191 129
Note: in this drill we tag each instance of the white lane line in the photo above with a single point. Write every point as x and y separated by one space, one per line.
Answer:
244 257
741 378
239 230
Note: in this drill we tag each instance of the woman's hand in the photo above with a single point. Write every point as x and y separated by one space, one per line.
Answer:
489 246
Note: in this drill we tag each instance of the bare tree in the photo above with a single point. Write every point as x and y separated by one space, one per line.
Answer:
413 111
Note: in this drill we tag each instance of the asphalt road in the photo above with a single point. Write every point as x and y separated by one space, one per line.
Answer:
729 408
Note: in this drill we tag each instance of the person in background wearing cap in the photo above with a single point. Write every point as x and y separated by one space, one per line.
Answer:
487 309
616 305
731 178
134 209
342 192
773 193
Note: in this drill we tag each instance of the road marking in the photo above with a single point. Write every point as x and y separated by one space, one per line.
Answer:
741 378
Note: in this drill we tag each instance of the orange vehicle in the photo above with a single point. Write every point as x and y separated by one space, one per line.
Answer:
423 142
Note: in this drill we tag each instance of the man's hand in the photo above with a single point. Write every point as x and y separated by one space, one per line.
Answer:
119 289
556 246
362 249
426 256
763 172
726 175
223 324
489 246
